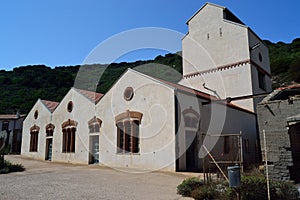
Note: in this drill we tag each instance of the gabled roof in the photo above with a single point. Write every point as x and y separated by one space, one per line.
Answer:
207 3
51 105
91 95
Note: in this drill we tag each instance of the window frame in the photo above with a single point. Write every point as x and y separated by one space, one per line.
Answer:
69 129
128 132
34 138
261 80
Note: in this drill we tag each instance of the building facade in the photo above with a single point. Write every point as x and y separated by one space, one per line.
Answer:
11 131
224 57
278 119
150 124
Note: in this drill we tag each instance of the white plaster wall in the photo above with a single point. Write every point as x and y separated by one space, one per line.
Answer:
232 46
200 53
83 111
44 117
216 119
157 128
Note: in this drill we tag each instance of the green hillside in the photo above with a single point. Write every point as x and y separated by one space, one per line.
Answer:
21 87
285 62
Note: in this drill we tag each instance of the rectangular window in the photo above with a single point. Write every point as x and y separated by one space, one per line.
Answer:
68 144
33 141
128 137
5 126
261 80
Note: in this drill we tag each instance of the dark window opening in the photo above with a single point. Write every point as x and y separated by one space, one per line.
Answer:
231 17
261 80
5 126
34 136
68 144
49 130
128 136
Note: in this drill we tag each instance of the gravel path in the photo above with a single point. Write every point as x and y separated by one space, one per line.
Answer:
47 180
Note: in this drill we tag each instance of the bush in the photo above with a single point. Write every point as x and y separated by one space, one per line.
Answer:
205 192
252 188
8 167
188 185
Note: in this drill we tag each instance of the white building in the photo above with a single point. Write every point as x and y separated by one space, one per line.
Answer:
224 57
149 124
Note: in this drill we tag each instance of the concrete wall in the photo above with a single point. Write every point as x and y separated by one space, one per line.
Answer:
44 117
216 121
212 42
83 111
272 117
157 129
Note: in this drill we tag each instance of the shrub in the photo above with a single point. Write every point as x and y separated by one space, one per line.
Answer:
205 192
252 188
255 187
8 167
188 185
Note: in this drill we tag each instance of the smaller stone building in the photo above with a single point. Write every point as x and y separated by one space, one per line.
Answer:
279 117
11 131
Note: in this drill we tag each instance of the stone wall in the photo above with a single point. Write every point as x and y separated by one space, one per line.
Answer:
272 117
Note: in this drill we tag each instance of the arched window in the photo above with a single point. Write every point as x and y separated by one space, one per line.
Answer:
69 136
128 139
94 125
191 118
49 130
34 136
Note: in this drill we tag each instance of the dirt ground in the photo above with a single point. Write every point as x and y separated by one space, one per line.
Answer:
48 180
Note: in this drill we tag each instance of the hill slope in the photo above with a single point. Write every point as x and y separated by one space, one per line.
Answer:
21 87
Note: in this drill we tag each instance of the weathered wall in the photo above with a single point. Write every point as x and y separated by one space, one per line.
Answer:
223 43
217 120
157 129
272 117
44 117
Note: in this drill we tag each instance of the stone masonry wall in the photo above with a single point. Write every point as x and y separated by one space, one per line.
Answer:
272 117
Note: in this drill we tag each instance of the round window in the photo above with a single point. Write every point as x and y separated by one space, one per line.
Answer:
70 106
128 93
36 114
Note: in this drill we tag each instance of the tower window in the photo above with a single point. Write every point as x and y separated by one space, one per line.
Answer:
261 80
260 57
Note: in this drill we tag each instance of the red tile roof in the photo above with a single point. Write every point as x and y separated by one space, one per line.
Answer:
93 96
289 87
51 105
202 94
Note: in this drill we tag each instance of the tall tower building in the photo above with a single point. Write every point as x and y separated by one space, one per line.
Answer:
224 57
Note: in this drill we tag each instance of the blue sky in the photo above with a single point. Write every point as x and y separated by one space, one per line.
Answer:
64 32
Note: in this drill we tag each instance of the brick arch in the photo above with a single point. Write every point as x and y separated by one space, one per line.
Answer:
69 123
128 115
50 127
35 128
190 110
95 120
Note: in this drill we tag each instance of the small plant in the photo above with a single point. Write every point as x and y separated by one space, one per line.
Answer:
8 167
252 188
188 185
205 192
